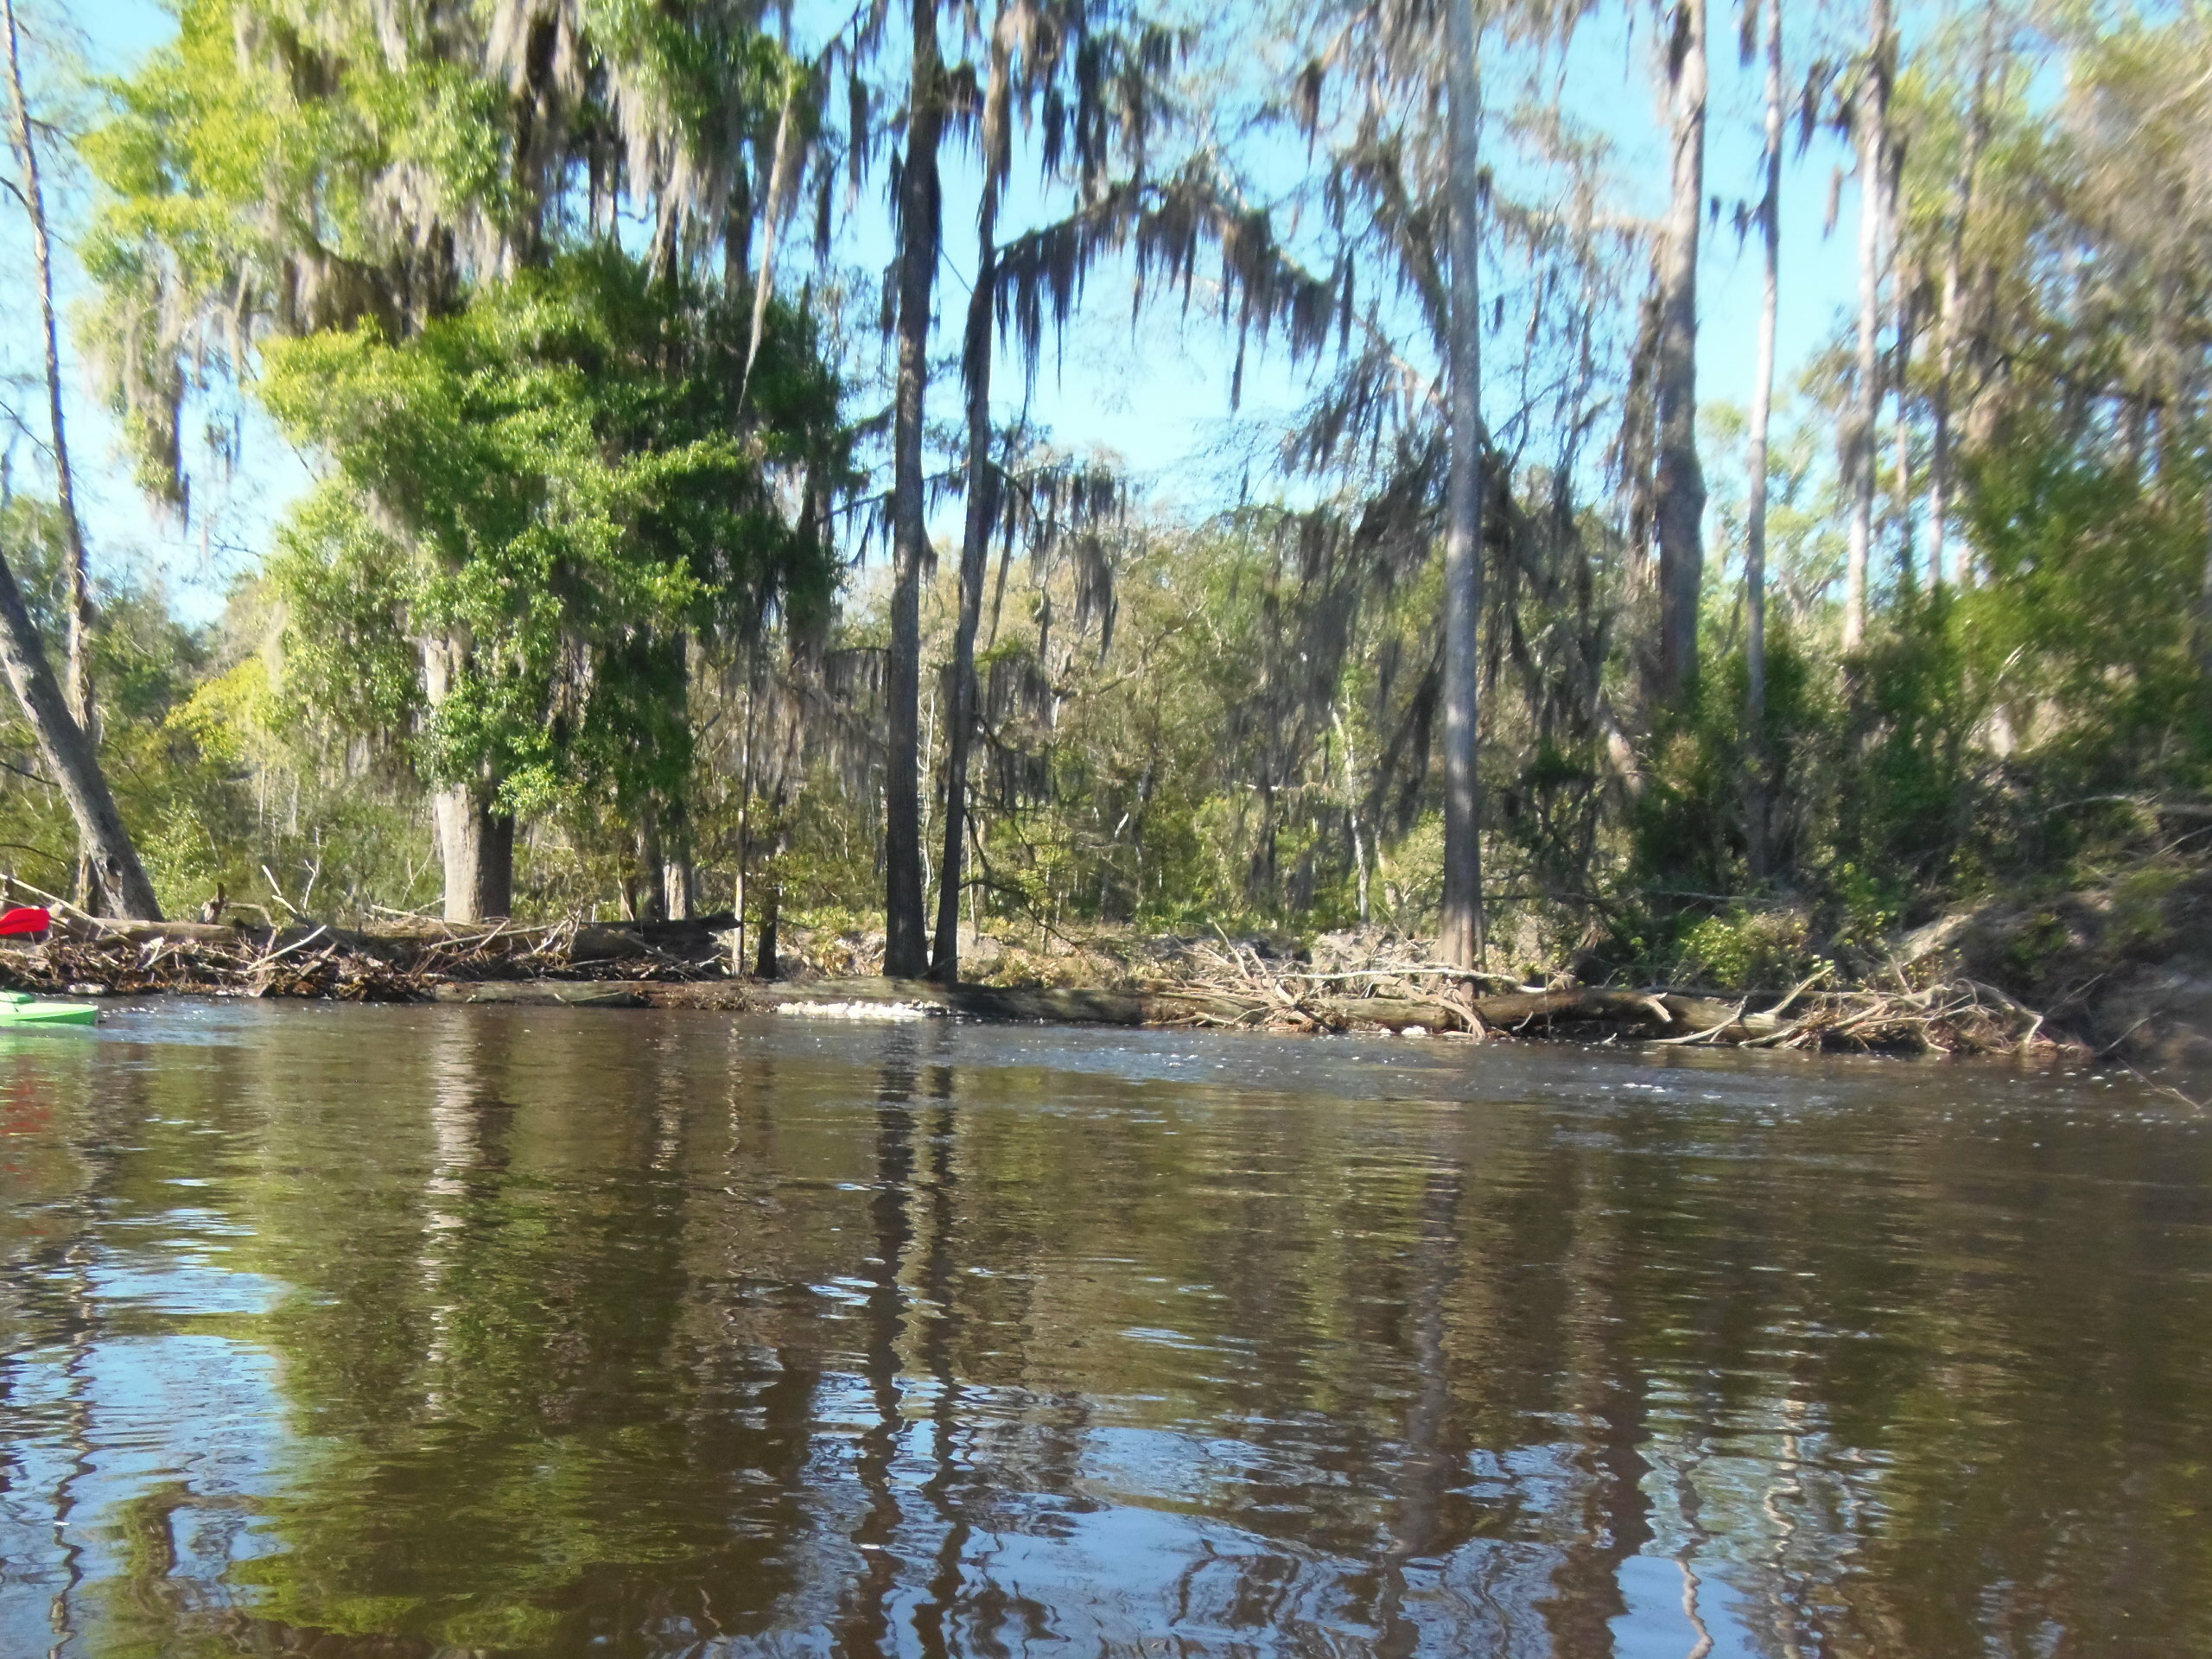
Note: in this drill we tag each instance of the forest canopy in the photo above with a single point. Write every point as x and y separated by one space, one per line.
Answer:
685 540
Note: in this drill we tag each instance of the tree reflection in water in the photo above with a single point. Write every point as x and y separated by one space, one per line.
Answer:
415 1331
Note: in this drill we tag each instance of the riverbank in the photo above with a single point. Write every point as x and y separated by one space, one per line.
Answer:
1862 1020
1340 983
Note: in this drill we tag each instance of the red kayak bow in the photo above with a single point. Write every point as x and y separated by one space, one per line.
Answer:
25 918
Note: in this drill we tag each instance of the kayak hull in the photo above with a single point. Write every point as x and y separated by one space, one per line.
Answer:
30 1013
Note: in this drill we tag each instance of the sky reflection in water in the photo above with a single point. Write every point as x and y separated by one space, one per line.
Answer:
401 1331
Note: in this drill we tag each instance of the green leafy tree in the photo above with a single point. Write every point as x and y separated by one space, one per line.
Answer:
533 501
391 187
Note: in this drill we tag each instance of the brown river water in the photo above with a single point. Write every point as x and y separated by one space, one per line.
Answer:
433 1332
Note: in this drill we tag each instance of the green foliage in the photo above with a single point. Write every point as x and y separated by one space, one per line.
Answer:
1745 950
561 501
2140 920
1690 824
1870 793
282 168
2088 636
265 169
536 499
1184 774
1904 799
700 64
143 664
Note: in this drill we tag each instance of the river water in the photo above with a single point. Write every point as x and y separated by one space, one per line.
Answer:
411 1332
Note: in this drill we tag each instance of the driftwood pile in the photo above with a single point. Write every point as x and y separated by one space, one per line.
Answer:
1344 983
395 962
1352 984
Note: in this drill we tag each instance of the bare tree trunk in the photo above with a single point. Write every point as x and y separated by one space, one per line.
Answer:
476 843
783 177
673 871
650 904
1907 326
771 901
70 758
1756 793
1858 436
906 953
974 550
1461 930
739 887
77 684
680 881
1678 511
1939 454
1352 791
1359 869
1939 460
983 511
478 846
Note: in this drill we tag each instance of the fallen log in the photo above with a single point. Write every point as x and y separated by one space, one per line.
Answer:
1520 1010
977 1001
1507 1011
223 935
739 996
1511 1009
1514 1010
539 993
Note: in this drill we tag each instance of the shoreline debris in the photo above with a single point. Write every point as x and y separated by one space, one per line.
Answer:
1387 985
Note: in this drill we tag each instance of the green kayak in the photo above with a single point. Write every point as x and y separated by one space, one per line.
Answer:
17 1008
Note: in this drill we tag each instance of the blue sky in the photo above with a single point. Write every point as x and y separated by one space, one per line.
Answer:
1160 402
